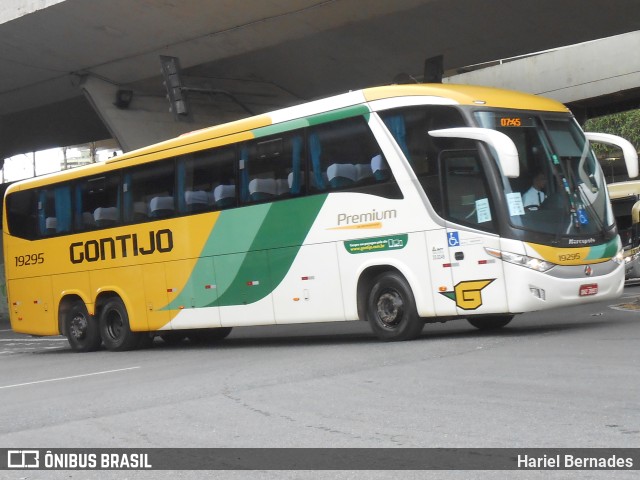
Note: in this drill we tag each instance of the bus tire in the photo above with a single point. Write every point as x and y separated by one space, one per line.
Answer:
208 335
81 329
391 309
114 327
494 322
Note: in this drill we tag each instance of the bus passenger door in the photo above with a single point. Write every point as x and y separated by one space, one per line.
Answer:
478 279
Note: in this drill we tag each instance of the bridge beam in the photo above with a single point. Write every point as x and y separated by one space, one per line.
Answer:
593 78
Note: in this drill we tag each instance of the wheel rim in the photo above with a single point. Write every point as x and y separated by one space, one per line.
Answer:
78 327
390 308
114 324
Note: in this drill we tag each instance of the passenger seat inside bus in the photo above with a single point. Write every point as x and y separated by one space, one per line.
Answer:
88 221
140 211
224 196
341 175
106 216
51 225
380 168
161 207
282 187
196 200
261 189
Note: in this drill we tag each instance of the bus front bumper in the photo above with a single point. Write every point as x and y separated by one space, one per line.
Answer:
530 290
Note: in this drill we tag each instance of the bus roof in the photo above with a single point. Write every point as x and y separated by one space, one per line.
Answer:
346 104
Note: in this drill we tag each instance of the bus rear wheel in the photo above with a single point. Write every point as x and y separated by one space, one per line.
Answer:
490 323
391 308
81 329
114 327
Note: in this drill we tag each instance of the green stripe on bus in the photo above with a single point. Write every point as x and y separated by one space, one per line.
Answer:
273 251
318 119
607 250
251 250
339 114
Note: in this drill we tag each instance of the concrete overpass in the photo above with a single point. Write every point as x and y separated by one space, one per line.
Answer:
593 78
63 61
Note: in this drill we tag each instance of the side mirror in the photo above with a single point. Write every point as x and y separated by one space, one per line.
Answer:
628 150
502 144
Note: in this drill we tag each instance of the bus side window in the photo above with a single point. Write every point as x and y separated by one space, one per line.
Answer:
97 202
223 177
343 155
272 168
22 211
54 210
149 191
206 180
410 127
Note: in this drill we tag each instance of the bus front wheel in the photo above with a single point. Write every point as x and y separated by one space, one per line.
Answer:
81 329
114 327
391 308
490 323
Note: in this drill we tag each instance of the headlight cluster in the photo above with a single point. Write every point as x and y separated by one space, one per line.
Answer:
523 260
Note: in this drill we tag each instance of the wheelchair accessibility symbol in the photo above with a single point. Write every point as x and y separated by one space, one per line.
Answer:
582 217
453 239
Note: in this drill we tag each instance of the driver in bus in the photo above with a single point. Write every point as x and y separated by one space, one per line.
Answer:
533 198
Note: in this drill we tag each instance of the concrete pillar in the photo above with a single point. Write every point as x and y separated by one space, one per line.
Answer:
146 120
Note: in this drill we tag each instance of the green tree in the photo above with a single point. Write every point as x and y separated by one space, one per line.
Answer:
624 124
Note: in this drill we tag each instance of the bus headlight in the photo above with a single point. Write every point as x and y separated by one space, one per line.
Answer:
523 260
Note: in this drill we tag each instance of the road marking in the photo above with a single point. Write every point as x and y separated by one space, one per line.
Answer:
17 339
68 378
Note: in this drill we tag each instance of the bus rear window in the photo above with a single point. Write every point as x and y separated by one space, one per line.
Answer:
21 214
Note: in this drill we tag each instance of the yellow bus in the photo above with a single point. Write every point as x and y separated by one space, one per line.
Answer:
395 205
625 199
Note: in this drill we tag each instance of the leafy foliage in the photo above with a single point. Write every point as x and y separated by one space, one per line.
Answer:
624 124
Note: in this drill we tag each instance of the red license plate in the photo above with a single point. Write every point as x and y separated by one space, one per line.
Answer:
589 289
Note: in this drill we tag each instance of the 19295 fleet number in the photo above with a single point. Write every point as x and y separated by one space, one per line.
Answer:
33 259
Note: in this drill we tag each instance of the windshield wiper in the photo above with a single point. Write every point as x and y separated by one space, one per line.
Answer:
581 210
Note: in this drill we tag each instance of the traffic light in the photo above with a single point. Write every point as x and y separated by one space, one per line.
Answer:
176 91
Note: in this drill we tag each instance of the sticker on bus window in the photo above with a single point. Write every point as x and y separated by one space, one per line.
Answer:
516 207
483 210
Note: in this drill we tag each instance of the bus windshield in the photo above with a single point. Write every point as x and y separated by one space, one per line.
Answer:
561 188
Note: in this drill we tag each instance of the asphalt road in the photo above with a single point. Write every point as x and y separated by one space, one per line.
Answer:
563 378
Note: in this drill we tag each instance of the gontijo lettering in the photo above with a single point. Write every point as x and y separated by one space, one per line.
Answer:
121 246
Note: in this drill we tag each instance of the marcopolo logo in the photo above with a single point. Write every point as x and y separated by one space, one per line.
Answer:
121 246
